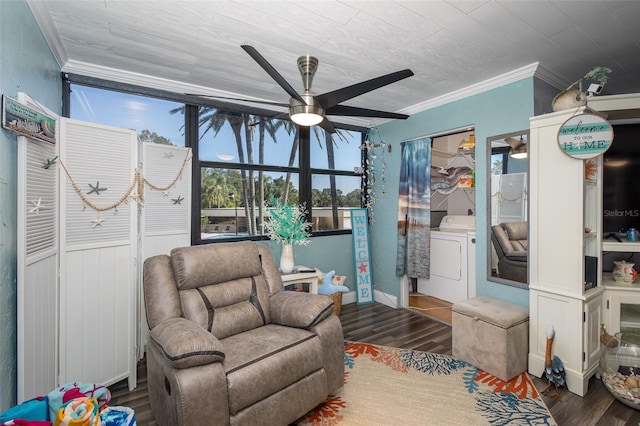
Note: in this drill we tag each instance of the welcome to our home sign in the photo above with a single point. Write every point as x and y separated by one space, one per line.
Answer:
585 136
362 256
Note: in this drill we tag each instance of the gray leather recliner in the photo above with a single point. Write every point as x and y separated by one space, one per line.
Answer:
227 346
512 247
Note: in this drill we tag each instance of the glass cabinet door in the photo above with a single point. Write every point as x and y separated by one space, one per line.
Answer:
625 316
630 322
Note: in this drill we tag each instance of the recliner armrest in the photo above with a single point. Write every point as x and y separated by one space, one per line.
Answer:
300 310
185 344
518 256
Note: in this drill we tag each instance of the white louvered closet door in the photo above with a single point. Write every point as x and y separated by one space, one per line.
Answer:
98 253
37 264
166 216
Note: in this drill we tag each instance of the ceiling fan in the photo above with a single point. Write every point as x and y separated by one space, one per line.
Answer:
309 109
518 147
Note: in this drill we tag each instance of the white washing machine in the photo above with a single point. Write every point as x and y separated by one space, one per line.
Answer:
453 260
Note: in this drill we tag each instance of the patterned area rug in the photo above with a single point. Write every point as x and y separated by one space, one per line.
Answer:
391 386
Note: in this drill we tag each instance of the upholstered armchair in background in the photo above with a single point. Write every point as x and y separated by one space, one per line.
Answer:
512 247
227 346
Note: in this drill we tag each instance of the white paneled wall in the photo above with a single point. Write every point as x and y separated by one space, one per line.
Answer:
37 264
98 253
165 224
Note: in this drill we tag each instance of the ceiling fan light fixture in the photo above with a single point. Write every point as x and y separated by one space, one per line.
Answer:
308 114
519 152
305 118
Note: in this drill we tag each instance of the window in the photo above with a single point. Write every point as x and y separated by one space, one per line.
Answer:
250 162
245 160
152 118
499 160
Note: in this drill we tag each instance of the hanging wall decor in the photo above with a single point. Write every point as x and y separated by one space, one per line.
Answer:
585 136
26 121
96 189
373 168
134 192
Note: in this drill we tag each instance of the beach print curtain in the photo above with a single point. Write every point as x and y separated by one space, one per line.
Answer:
414 210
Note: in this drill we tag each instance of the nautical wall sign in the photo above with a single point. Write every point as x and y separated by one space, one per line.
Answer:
362 256
27 121
585 136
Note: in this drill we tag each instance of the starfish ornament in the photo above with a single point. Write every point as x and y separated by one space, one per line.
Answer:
165 193
97 221
136 198
50 163
177 200
96 189
37 205
168 155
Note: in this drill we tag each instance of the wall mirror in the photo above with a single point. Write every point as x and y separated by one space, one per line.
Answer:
508 207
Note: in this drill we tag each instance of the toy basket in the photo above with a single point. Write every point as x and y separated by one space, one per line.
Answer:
337 300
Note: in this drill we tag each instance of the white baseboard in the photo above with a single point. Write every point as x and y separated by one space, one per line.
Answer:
378 296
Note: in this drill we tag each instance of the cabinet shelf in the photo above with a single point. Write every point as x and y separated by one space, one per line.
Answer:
610 283
624 246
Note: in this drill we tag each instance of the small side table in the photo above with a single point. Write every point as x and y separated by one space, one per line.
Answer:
302 277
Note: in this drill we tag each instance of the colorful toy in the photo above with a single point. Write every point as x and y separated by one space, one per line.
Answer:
332 283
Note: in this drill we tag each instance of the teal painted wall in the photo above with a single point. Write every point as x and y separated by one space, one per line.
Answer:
26 65
325 253
498 111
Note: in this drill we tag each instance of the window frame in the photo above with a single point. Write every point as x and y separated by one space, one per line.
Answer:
191 134
504 152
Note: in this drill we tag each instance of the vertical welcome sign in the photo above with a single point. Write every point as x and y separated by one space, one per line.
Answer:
362 256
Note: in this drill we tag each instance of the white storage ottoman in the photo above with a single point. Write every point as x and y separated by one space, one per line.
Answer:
492 335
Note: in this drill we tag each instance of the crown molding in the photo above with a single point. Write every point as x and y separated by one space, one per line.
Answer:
474 89
137 79
39 10
548 76
144 80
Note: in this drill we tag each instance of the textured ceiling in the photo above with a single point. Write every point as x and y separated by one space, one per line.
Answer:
452 46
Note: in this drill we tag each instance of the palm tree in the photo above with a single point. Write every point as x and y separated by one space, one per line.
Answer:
329 144
332 179
270 126
289 127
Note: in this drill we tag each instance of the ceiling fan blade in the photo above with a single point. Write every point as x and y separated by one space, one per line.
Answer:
514 143
362 112
266 119
327 126
281 104
272 72
329 99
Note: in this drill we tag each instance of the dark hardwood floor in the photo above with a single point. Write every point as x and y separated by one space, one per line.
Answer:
381 325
